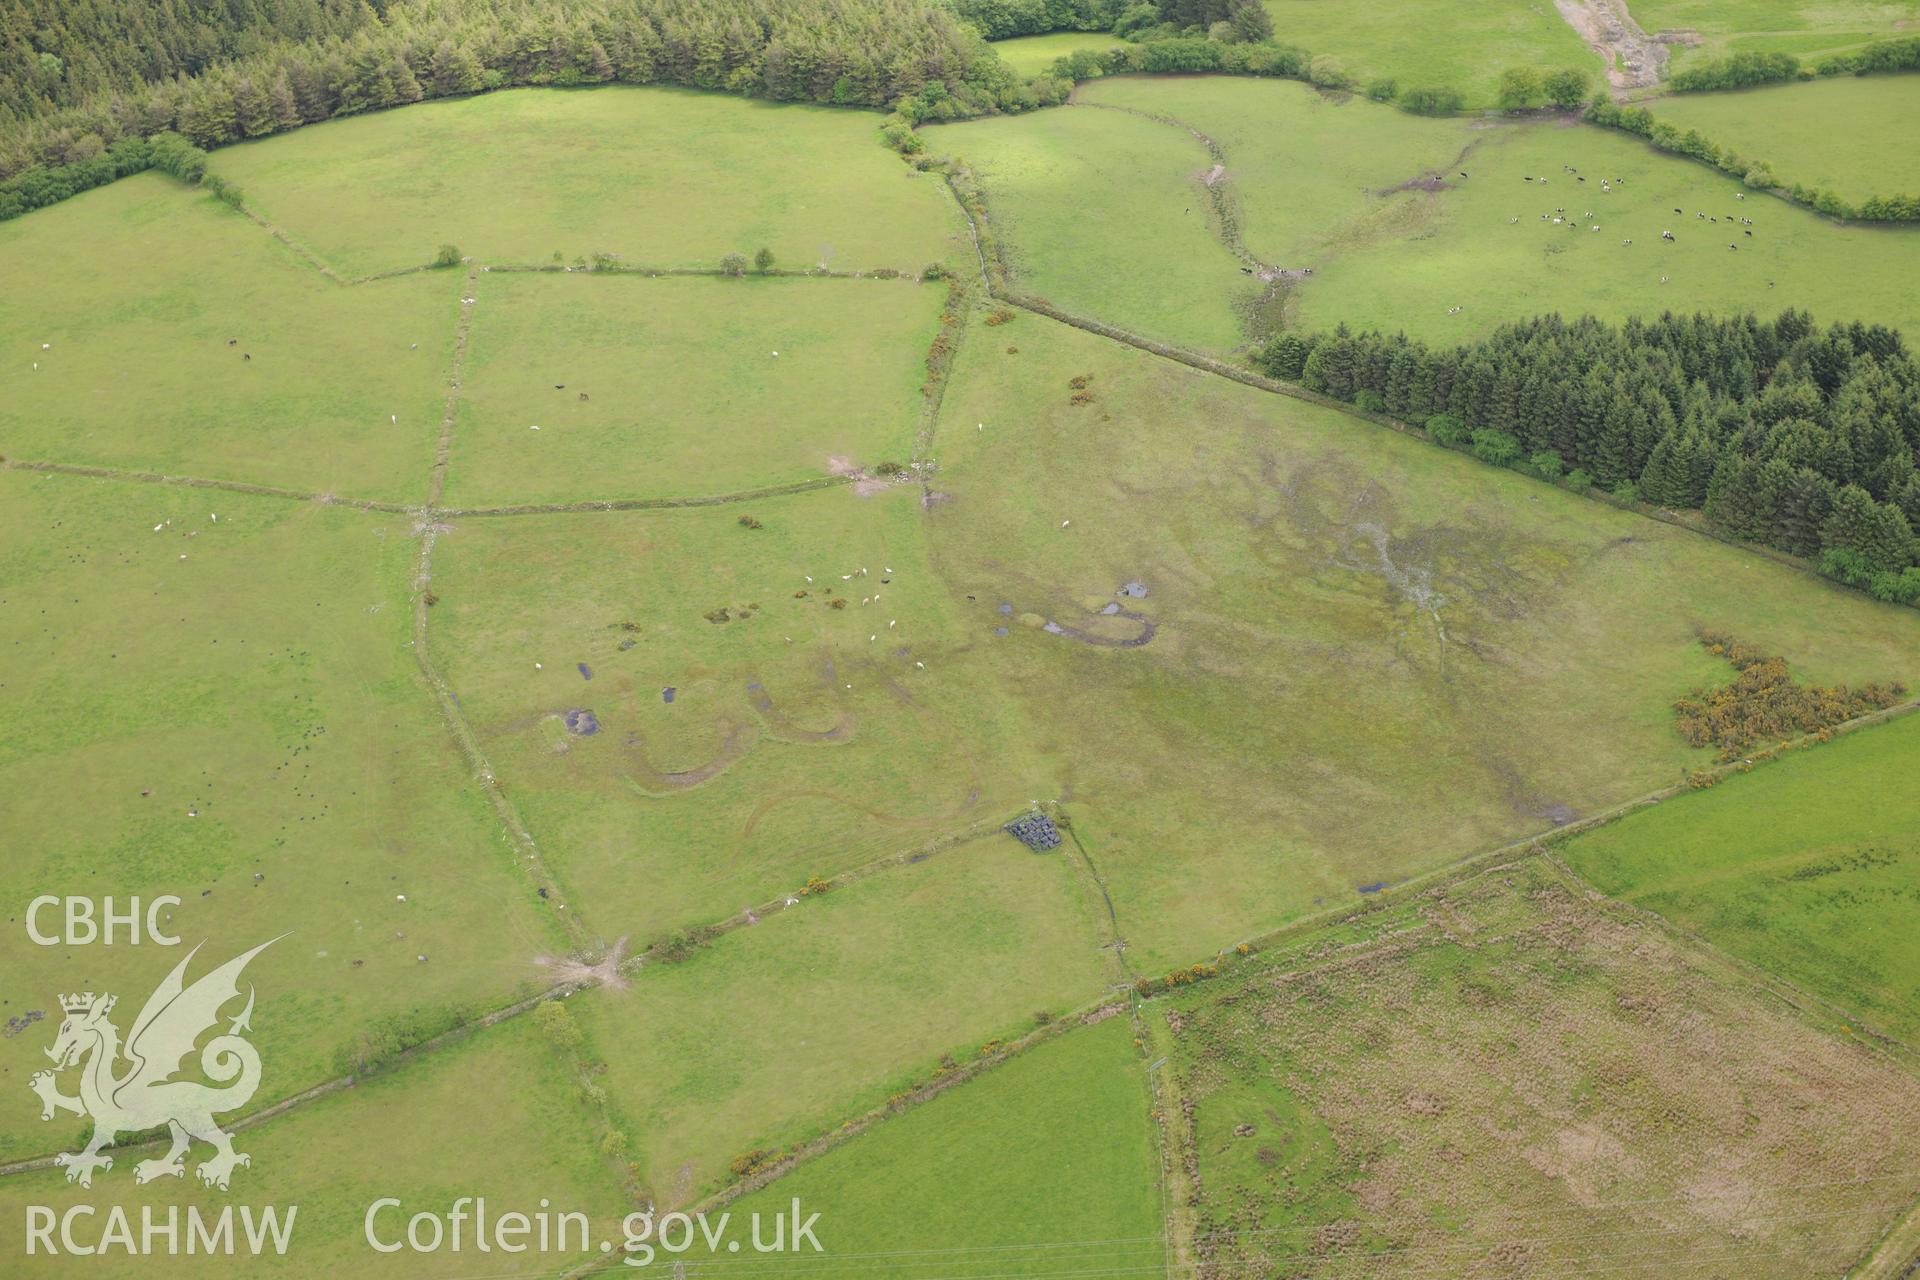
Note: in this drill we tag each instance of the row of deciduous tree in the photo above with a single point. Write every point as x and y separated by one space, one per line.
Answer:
1784 434
1758 174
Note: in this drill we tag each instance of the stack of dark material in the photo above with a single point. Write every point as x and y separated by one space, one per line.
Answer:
1036 831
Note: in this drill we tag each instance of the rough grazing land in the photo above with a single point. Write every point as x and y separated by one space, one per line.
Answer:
1510 1078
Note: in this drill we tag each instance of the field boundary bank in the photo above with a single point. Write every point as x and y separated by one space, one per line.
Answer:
606 265
89 471
911 856
1896 1254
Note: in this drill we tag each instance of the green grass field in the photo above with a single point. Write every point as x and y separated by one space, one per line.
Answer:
228 711
1262 659
179 337
801 739
1045 1164
1435 44
1808 867
1805 28
413 1134
1504 1073
1387 258
1149 261
1301 724
661 177
647 388
779 1032
1035 55
1831 134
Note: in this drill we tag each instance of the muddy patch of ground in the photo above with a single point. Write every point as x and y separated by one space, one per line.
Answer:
1634 59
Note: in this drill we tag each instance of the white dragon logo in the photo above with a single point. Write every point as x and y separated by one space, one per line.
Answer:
144 1097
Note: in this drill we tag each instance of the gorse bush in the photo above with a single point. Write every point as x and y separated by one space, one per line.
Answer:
1764 703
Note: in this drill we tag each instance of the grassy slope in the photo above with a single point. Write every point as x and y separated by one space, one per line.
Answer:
686 392
777 1032
138 288
414 1134
1805 28
1399 261
1013 1173
1508 1074
1427 43
1035 55
663 177
1300 726
1831 134
1102 213
254 671
1809 867
1304 167
916 752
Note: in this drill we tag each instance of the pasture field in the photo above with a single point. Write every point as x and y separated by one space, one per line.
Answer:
730 760
661 177
1103 213
147 326
1509 1074
1389 259
1837 135
1434 43
1364 655
780 1031
658 388
1809 867
1805 28
1035 55
414 1134
1042 1165
589 704
228 711
1304 167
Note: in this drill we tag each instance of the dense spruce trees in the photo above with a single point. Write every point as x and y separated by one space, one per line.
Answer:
913 53
1781 432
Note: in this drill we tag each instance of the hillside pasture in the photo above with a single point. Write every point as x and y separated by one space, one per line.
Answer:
1035 55
782 1031
413 1134
1359 655
1848 135
147 326
661 177
1047 1158
1809 867
732 756
1808 29
672 388
226 710
1507 1075
1436 43
1102 213
1446 259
